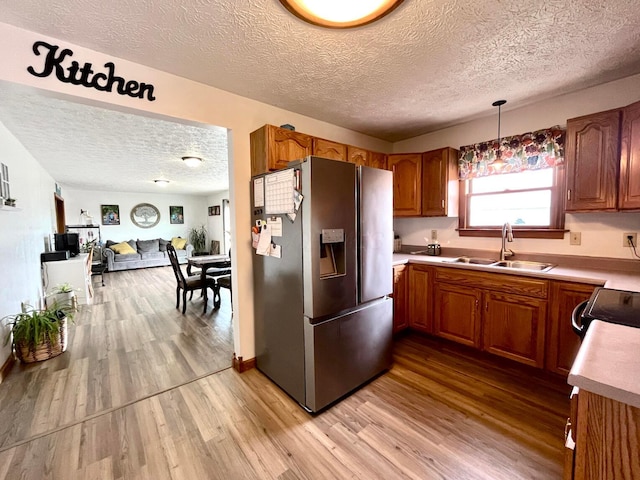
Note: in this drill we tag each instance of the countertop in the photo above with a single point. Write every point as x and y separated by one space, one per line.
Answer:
608 362
610 278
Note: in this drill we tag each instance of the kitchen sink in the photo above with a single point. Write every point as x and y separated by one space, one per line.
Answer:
473 261
524 265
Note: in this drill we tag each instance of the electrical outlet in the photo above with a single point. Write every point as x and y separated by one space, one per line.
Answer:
434 235
625 239
575 238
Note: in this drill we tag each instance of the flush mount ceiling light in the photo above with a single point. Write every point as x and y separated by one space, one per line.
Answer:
162 183
498 163
192 161
340 13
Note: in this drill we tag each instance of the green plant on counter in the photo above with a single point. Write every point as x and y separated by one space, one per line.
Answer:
198 238
63 288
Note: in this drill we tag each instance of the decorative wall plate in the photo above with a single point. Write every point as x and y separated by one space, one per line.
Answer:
145 215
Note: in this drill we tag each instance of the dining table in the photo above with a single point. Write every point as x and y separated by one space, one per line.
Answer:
221 265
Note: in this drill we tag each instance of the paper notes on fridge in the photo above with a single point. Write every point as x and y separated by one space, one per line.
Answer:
276 251
275 225
264 241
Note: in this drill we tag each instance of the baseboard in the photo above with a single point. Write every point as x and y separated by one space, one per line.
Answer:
8 365
241 365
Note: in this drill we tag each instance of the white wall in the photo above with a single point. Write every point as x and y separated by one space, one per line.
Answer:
180 98
22 232
195 213
601 232
215 227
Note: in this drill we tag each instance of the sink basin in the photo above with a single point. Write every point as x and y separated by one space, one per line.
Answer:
524 265
473 261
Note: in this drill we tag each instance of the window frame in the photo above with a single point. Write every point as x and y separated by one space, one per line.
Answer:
556 229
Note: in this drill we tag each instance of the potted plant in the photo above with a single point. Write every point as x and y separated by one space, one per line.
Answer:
198 238
63 294
39 334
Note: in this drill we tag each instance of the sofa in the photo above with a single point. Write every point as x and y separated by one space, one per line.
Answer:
146 253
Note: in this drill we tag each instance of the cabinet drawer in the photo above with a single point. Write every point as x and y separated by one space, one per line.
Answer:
530 287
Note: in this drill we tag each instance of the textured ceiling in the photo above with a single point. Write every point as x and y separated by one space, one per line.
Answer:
427 65
96 149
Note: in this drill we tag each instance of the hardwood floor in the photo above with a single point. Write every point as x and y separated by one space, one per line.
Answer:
129 344
441 412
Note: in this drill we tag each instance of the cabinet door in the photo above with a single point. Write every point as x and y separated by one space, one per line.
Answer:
407 183
328 149
357 155
514 327
562 342
420 299
400 293
378 160
457 313
592 158
630 158
440 183
272 148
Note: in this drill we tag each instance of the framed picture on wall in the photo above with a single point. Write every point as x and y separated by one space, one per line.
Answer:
215 210
176 214
110 214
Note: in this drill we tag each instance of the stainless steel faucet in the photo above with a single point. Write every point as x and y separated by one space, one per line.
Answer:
507 236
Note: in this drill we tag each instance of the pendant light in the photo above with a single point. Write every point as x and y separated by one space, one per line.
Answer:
498 163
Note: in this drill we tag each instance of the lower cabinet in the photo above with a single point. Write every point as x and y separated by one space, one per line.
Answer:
562 343
514 327
457 313
420 299
400 297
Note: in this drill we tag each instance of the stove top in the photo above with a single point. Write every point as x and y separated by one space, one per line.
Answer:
614 306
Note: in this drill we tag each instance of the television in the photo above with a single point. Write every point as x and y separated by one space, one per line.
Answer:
68 241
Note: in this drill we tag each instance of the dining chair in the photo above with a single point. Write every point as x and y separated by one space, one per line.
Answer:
224 282
189 283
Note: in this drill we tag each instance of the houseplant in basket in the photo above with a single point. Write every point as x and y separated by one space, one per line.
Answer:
39 334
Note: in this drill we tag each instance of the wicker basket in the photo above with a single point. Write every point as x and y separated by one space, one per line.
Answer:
29 353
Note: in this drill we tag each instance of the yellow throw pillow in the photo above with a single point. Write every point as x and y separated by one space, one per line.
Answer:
122 248
179 243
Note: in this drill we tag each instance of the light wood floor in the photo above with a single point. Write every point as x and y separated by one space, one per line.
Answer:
129 344
441 412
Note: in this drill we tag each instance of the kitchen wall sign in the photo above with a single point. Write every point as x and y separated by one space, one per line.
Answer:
72 72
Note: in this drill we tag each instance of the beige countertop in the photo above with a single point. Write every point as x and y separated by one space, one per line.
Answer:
608 362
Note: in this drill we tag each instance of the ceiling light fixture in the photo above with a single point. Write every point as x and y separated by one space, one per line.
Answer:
498 163
338 13
192 161
162 183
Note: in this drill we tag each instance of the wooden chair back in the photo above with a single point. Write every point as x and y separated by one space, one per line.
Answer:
173 258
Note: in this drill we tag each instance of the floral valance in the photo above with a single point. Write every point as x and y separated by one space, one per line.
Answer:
529 151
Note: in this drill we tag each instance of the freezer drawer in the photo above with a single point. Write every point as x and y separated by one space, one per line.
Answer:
344 352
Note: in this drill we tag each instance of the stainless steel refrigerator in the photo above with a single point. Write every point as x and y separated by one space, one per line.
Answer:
323 315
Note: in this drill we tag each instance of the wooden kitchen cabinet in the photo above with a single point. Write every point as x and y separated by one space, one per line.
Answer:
272 148
407 183
400 297
514 327
629 197
420 317
328 149
357 155
457 313
440 183
562 344
378 160
592 161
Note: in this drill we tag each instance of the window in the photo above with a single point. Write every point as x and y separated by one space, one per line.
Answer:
530 201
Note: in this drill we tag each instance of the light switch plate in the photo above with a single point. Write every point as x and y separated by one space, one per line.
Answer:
575 238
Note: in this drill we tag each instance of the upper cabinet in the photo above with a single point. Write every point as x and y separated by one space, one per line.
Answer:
593 159
425 184
272 148
440 183
407 183
630 158
328 149
603 161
